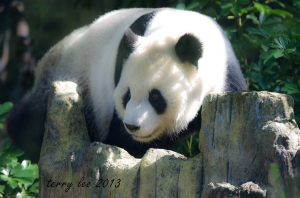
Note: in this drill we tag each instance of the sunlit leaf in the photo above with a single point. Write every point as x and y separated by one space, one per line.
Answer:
262 17
24 173
12 183
4 177
262 8
267 55
281 13
253 18
24 180
281 41
16 169
2 189
291 88
278 54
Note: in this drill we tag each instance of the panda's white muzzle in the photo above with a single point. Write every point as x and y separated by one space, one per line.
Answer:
140 120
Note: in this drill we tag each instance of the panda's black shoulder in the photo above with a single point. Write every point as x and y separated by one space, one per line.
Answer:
235 80
138 27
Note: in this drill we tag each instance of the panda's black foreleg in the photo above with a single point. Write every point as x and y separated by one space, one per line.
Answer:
25 126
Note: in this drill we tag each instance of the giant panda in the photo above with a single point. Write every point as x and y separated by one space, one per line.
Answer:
143 74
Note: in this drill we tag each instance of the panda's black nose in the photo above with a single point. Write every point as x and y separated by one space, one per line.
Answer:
131 127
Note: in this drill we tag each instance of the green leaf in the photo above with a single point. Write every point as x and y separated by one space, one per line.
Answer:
262 17
296 31
275 32
291 88
34 187
16 169
24 173
278 54
5 107
192 5
4 177
267 55
283 41
253 41
243 2
203 3
281 13
211 12
255 31
226 9
293 44
253 18
15 152
5 144
236 10
24 180
265 30
262 8
2 189
12 183
5 159
271 20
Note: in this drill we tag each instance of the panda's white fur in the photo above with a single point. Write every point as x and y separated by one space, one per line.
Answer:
88 57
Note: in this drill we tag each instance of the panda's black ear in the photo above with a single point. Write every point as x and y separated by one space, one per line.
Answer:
189 49
129 38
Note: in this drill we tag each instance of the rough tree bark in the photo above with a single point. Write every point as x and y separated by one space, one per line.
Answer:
249 147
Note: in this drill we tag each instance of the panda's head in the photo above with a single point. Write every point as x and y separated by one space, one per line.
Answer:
160 89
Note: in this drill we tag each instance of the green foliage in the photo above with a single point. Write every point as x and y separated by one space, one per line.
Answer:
16 179
275 174
4 109
188 146
265 36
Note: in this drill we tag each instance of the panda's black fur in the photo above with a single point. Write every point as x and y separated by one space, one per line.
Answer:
26 122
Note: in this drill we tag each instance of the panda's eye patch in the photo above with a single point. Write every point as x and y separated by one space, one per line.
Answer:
154 97
157 101
126 98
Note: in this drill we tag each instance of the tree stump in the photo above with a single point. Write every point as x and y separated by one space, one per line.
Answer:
249 147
